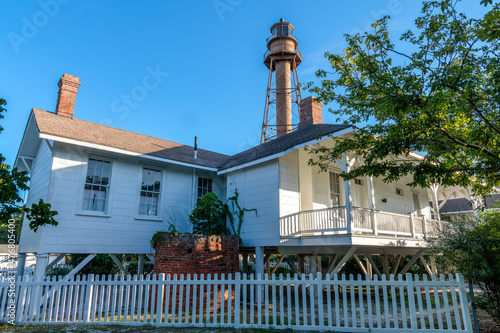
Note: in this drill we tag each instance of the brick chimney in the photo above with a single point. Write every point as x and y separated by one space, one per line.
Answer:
68 88
310 111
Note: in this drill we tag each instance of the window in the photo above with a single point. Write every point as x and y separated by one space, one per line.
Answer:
204 187
358 182
150 192
399 191
335 189
96 185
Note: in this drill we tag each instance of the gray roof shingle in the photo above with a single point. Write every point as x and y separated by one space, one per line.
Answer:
301 135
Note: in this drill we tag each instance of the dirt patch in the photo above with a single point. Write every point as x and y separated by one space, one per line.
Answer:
486 323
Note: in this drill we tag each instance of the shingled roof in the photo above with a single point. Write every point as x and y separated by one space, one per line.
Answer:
299 136
463 205
85 131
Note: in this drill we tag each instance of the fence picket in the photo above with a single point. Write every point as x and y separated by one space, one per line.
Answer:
312 299
377 303
402 300
216 290
188 292
438 303
230 301
337 300
420 305
456 312
361 302
464 305
195 287
428 304
353 301
394 302
266 299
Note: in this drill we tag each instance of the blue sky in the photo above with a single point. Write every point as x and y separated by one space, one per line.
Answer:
207 56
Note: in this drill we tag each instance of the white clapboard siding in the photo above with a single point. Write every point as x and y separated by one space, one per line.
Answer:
348 304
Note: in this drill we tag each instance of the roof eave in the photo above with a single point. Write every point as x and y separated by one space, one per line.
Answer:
123 152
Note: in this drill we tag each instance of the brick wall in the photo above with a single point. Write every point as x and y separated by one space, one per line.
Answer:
196 254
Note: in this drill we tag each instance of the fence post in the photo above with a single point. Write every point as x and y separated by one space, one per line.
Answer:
411 303
88 298
321 315
236 301
464 303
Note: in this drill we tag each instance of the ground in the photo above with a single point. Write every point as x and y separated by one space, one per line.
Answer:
122 329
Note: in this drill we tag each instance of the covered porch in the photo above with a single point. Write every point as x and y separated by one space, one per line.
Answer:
356 221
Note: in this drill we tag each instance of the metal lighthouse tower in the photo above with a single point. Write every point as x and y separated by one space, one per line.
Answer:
281 113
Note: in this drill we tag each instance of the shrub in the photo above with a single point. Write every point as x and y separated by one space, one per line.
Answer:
472 246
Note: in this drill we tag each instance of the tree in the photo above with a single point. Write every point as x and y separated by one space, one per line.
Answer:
491 22
209 216
472 246
441 99
212 216
12 182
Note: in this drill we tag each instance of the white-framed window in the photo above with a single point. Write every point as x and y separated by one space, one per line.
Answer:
95 194
358 182
150 192
204 187
399 191
335 189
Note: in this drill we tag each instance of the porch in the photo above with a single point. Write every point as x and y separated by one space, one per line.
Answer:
356 221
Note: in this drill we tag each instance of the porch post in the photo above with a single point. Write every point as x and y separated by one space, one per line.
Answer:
259 261
412 225
21 262
300 263
373 207
245 263
140 264
348 198
434 189
41 265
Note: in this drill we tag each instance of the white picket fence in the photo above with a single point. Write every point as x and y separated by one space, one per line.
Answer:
404 304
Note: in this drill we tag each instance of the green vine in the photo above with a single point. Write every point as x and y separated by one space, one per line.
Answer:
171 231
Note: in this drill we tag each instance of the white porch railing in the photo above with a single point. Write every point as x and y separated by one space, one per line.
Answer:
331 221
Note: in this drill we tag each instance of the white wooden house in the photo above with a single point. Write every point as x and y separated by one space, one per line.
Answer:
114 189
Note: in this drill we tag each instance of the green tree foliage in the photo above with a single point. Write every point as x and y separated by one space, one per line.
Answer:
212 216
209 216
12 182
40 214
441 98
4 228
101 264
472 246
491 22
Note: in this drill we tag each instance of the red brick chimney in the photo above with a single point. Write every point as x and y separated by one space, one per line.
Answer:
310 111
68 88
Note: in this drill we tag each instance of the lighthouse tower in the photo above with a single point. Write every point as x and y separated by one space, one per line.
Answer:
281 113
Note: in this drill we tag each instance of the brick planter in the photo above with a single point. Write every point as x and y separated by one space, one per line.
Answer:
197 254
